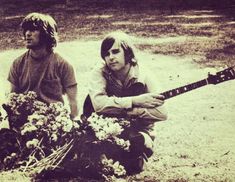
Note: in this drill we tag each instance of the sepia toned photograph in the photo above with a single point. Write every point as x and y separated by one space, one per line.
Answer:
117 90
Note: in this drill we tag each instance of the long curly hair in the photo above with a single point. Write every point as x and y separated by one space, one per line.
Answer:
45 24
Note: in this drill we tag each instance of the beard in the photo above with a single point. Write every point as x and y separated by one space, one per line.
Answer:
34 46
31 44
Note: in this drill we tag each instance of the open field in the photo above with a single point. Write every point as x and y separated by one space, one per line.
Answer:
197 143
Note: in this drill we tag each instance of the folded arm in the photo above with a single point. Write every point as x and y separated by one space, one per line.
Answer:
146 106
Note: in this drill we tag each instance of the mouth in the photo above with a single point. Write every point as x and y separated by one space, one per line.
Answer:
28 40
113 64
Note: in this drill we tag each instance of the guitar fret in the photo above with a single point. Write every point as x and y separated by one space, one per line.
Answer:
171 93
186 88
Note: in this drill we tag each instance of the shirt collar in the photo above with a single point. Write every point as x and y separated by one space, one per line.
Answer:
132 76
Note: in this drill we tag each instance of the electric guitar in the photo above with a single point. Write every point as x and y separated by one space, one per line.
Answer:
139 88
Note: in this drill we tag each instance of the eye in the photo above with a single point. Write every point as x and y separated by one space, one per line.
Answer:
115 51
106 54
32 29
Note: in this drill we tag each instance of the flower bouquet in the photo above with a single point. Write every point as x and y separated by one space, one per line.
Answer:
44 141
41 132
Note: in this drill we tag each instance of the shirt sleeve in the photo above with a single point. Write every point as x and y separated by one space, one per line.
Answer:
13 74
103 103
68 77
158 113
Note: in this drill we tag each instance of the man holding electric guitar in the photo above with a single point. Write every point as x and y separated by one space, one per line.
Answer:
122 88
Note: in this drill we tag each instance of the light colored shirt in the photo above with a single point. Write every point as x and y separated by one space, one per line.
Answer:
49 77
110 96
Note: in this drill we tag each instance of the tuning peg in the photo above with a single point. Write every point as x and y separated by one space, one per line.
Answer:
211 71
209 74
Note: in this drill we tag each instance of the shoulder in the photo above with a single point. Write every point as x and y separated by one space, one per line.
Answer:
60 61
21 59
58 58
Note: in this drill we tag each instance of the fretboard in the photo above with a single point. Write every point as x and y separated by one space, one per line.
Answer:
184 89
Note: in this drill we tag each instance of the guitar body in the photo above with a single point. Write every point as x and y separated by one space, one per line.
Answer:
135 89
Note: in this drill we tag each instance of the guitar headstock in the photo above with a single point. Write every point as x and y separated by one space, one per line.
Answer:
221 76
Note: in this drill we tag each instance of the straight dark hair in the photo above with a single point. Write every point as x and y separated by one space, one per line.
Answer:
108 42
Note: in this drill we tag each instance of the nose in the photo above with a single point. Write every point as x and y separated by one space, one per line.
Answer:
28 33
111 56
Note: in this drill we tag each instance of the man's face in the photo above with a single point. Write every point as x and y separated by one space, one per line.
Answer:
115 58
32 39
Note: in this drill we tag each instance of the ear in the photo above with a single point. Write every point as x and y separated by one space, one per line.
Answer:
129 55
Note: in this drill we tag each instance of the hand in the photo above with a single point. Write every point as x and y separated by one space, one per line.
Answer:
148 100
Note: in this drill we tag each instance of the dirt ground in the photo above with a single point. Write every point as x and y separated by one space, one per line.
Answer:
197 142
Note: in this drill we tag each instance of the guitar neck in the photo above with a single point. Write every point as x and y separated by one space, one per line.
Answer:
219 77
184 89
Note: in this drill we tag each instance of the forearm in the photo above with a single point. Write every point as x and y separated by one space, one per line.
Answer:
74 109
72 98
124 105
110 105
157 113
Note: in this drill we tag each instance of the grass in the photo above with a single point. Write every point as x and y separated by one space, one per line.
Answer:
82 23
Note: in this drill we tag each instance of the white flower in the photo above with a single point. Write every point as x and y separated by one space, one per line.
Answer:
116 164
76 125
39 123
101 135
59 125
125 144
54 127
68 125
37 118
32 143
119 170
27 128
54 137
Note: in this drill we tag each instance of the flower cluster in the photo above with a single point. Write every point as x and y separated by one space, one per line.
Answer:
48 122
19 102
109 128
109 164
43 128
